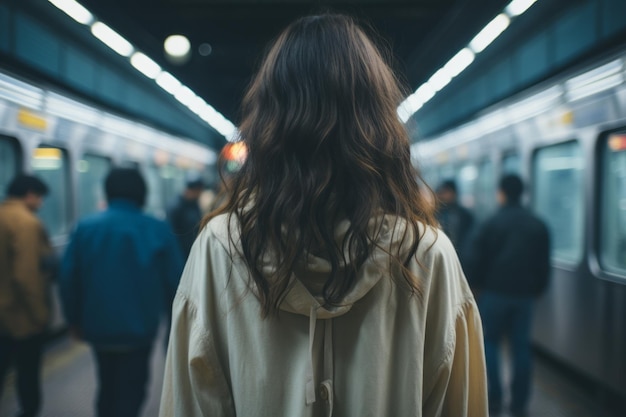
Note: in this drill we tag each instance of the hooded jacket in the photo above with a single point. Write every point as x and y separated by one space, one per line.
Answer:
24 278
382 352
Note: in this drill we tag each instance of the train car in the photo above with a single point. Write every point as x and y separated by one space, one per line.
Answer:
71 146
567 138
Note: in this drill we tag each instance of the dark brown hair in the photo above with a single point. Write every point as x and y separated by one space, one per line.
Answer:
324 144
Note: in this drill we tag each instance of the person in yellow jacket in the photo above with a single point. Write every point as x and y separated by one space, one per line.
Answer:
26 260
322 286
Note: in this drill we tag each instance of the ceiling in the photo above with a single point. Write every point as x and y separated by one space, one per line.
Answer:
423 34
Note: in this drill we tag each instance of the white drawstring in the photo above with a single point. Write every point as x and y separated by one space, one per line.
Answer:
327 383
310 383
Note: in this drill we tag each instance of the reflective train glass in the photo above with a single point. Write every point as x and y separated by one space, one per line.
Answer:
154 199
174 183
51 165
466 179
558 198
613 212
8 164
92 171
485 190
511 164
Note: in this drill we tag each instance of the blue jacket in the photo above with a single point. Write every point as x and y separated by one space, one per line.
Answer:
119 274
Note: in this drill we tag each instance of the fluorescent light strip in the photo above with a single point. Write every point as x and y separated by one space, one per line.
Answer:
145 65
112 39
457 64
489 33
517 7
148 67
166 81
74 10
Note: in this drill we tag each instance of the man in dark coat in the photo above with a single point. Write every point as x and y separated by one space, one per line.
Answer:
508 268
185 216
455 220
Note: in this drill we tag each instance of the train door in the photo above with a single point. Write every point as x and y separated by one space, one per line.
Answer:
51 164
92 171
558 197
9 163
612 228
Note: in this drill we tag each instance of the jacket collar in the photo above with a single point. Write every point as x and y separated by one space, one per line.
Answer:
123 204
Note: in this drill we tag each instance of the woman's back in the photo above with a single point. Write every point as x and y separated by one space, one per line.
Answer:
322 286
380 352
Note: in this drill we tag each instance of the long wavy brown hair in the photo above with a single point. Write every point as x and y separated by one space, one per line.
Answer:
324 145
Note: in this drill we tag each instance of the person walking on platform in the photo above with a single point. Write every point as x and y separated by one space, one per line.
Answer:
185 216
26 268
509 267
322 287
455 220
118 276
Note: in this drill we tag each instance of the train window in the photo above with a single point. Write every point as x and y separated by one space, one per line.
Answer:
613 220
511 164
558 198
92 171
174 182
51 165
9 163
466 185
154 199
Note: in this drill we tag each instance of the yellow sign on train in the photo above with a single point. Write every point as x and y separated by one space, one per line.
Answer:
32 120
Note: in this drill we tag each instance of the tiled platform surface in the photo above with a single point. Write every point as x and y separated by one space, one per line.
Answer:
69 387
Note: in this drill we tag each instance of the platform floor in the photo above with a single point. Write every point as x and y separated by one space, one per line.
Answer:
69 387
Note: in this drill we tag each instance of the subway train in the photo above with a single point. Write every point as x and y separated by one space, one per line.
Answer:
567 138
71 146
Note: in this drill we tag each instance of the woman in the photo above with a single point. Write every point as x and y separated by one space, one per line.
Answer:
321 288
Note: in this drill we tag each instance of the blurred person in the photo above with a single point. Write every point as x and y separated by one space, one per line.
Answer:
26 268
185 216
321 286
118 276
508 269
455 220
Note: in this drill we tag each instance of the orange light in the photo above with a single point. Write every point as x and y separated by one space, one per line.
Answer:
617 142
235 151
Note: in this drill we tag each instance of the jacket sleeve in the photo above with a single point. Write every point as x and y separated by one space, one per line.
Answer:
460 387
31 247
455 380
194 383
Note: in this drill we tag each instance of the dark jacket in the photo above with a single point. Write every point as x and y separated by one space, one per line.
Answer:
457 222
185 217
119 275
510 254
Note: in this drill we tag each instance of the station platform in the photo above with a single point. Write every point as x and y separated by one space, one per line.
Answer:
69 387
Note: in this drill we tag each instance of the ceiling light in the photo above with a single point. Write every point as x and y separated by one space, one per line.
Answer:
74 10
439 79
112 39
459 62
205 49
166 81
145 65
490 33
177 46
517 7
185 95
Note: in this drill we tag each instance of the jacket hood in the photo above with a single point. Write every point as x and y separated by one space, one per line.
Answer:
308 280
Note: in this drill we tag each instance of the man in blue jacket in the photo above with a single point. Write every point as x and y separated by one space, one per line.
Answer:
509 267
119 275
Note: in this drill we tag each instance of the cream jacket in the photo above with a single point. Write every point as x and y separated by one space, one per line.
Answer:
24 284
382 353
